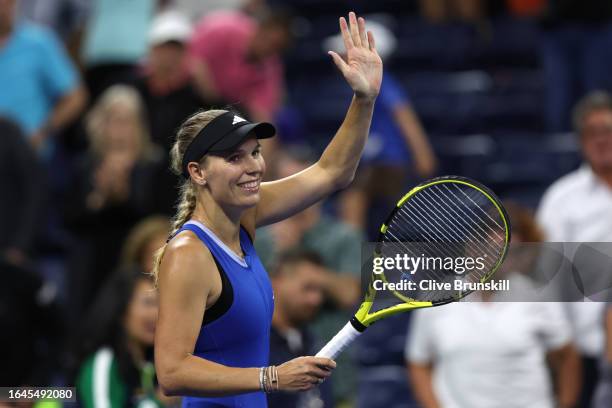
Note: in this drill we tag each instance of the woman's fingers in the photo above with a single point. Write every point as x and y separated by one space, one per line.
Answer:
354 29
338 61
371 41
325 362
346 36
319 373
354 33
362 32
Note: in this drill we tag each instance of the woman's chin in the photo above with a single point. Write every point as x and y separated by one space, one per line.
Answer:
251 200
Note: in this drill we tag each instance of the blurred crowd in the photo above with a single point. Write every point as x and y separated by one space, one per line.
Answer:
510 92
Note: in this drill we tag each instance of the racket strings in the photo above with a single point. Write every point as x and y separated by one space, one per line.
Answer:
469 224
457 221
479 207
436 210
449 222
417 219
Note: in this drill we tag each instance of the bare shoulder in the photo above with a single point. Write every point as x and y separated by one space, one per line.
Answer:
186 262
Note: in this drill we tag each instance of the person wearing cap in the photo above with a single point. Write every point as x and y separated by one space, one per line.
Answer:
216 303
167 90
165 83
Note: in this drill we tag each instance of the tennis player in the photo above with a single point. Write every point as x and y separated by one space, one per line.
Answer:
216 301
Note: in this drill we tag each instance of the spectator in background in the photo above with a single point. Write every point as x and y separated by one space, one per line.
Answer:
526 8
237 59
40 86
439 11
31 327
397 144
144 240
19 176
114 359
576 55
577 208
165 84
297 280
64 17
113 186
195 9
169 95
493 352
115 40
339 245
603 394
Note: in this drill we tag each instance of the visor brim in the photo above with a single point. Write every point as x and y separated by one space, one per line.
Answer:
262 130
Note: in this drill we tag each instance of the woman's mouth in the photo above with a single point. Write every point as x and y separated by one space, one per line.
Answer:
250 186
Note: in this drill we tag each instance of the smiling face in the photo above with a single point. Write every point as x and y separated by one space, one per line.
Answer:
233 178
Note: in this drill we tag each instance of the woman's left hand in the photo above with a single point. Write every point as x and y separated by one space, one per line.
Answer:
363 66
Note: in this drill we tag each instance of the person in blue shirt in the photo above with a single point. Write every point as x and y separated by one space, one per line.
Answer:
215 298
397 146
41 90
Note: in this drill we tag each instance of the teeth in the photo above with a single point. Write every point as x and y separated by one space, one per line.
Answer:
251 184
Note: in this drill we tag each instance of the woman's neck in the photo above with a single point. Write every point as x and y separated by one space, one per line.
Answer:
136 351
226 227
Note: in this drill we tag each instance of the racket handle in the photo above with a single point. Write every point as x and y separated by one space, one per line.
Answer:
339 342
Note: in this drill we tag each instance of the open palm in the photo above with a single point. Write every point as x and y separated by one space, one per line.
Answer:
363 66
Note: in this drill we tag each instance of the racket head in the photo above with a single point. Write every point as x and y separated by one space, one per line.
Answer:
450 217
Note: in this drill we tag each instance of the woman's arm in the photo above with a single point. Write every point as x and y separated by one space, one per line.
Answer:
336 167
185 285
420 376
566 370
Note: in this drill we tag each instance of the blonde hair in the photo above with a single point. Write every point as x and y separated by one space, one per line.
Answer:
140 236
128 99
187 202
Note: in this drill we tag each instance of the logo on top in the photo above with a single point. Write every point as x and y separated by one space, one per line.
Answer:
237 119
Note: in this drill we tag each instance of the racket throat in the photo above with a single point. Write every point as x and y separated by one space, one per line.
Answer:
357 325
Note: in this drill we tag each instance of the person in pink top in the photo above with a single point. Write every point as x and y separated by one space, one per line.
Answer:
237 59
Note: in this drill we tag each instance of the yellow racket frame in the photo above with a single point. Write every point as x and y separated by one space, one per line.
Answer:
363 314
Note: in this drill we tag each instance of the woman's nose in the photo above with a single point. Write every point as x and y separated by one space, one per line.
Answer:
255 165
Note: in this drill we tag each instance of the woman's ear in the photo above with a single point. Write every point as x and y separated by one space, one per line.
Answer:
197 173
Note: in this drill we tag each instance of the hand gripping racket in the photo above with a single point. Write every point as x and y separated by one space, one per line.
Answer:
443 238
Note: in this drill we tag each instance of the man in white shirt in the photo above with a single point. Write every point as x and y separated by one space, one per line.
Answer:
490 355
578 208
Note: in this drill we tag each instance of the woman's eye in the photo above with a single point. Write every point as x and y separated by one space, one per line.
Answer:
256 153
233 158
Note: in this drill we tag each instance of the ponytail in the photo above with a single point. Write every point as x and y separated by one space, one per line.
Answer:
185 135
184 212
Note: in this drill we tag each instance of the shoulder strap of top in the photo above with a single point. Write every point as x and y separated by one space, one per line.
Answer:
226 298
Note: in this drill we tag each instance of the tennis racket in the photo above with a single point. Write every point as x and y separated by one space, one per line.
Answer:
443 238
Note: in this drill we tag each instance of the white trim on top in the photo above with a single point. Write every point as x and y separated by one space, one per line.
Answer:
221 244
101 378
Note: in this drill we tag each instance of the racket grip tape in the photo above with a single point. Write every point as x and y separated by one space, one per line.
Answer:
339 342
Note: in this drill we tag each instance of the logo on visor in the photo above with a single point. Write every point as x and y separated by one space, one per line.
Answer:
237 119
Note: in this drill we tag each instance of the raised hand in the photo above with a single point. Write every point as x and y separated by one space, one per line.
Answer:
363 66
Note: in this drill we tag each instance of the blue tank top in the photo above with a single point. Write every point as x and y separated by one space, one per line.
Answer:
240 337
